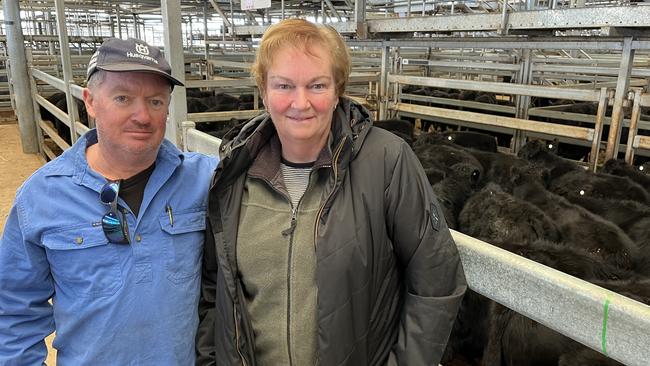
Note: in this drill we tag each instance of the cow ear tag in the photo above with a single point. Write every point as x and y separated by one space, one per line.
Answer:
435 217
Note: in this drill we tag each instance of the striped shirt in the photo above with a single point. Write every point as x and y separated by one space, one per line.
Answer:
296 179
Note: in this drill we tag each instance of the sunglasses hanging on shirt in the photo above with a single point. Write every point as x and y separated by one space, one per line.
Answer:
114 221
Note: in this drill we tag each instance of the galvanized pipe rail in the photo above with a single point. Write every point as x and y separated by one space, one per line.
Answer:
593 135
75 92
634 140
598 318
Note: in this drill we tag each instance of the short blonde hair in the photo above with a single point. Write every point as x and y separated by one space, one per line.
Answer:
302 35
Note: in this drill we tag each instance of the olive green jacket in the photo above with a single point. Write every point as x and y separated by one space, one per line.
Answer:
388 273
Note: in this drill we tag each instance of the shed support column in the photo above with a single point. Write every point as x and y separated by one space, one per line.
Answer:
171 13
360 19
383 82
622 84
67 68
522 101
119 20
20 78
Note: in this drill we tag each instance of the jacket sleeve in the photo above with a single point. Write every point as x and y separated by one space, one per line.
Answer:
26 285
433 276
205 337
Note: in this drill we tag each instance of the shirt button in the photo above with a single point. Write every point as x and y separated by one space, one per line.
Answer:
79 240
138 238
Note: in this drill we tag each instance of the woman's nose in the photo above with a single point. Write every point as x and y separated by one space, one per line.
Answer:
301 99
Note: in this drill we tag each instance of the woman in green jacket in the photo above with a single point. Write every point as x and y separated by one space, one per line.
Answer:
326 244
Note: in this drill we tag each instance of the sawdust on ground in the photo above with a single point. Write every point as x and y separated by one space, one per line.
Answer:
15 167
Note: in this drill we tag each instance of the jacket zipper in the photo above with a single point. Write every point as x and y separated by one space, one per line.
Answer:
335 159
241 356
293 226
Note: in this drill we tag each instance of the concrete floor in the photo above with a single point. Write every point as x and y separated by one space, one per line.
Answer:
15 167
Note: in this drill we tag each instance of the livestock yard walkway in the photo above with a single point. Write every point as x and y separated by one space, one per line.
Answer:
15 167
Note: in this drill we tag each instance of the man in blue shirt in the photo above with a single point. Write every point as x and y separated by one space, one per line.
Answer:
111 231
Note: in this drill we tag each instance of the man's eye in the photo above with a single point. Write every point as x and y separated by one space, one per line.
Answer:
283 86
121 99
319 86
157 103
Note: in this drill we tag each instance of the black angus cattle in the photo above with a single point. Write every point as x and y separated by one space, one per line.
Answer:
566 176
246 102
621 168
453 190
538 153
514 340
632 217
437 156
494 215
196 105
198 93
599 185
579 227
471 139
586 357
399 127
218 129
469 334
59 100
500 168
221 102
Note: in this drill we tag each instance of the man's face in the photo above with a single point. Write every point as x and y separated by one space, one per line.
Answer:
130 111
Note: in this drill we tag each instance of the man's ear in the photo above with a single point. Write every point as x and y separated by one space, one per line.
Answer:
88 101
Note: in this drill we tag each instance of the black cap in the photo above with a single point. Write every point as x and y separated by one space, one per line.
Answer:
130 55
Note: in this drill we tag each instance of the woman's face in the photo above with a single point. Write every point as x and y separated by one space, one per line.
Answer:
300 95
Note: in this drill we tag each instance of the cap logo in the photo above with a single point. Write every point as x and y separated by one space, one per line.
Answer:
142 49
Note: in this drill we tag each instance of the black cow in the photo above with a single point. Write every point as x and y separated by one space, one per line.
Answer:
453 191
438 156
586 357
196 105
471 139
538 153
621 168
579 227
498 216
599 185
59 100
221 102
399 127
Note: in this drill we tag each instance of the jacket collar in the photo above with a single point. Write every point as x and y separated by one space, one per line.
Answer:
350 121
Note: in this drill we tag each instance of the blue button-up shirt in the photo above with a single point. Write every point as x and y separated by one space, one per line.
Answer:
113 304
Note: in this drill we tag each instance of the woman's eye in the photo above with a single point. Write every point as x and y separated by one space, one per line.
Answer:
157 103
319 86
121 99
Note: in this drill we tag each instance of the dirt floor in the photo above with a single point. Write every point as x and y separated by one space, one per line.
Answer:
15 167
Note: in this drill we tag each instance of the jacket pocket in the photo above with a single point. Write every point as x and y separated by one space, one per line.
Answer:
183 243
82 261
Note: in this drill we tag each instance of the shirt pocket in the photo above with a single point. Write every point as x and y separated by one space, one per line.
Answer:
184 234
82 261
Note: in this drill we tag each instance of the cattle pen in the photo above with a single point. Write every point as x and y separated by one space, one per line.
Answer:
573 75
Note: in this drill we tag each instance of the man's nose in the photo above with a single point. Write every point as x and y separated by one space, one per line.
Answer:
141 112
